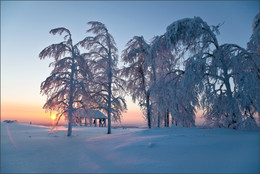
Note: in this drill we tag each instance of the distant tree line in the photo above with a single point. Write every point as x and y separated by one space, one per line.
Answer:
171 77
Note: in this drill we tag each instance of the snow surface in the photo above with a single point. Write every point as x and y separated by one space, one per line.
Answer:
34 149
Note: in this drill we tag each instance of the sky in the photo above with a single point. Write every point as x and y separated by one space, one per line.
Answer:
25 30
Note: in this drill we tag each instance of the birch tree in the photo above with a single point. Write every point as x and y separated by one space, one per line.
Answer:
107 84
64 87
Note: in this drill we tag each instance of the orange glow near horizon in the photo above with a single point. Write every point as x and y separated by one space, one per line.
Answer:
132 116
24 112
33 112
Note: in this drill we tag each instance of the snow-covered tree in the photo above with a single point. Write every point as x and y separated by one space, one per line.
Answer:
183 100
107 87
158 89
187 68
153 76
232 92
253 46
228 78
171 95
136 57
64 87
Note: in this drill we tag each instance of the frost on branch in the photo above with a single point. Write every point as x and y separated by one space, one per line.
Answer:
225 76
192 33
136 57
66 86
254 43
231 92
107 86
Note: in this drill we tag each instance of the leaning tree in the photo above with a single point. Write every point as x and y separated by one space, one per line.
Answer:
107 86
65 87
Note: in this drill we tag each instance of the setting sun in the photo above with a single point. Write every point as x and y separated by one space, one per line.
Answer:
53 117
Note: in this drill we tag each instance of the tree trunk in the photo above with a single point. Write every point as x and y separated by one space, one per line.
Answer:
70 108
109 108
159 119
148 109
229 94
167 118
109 88
71 98
70 113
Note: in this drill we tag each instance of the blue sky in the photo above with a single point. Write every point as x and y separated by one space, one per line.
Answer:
25 26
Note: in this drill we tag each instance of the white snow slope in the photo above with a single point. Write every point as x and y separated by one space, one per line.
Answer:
33 149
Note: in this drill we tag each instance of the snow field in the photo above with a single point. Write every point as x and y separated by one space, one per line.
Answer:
33 149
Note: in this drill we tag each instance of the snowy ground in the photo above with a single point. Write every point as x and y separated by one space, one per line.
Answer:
33 149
